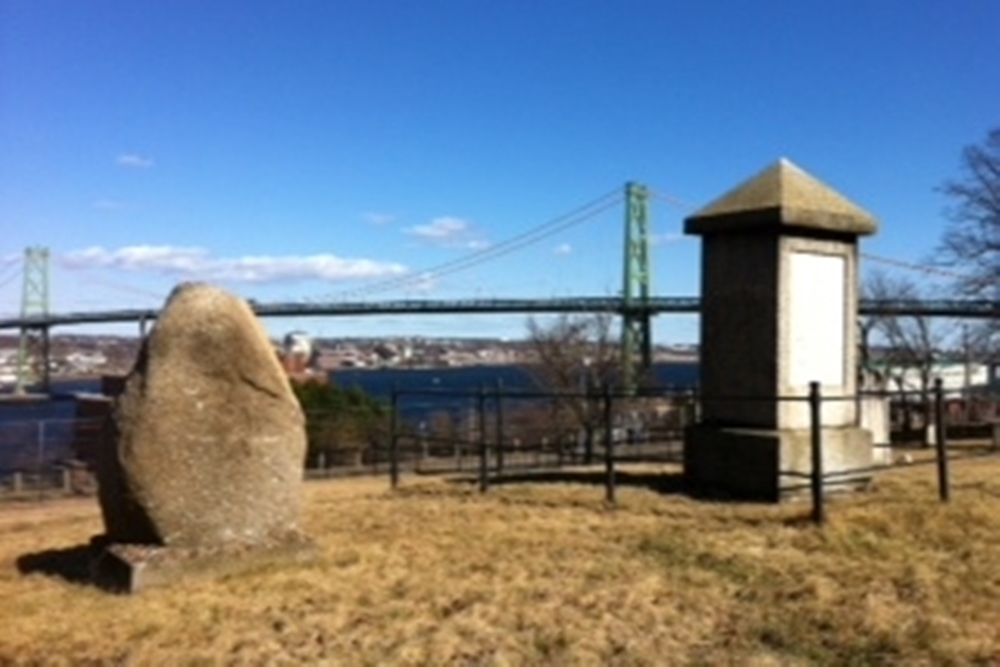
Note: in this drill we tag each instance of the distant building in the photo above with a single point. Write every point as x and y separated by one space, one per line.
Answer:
956 377
298 357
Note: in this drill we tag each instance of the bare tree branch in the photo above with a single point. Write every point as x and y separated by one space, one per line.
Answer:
908 344
574 357
972 239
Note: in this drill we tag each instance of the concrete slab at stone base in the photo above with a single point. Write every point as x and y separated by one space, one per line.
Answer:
130 568
770 466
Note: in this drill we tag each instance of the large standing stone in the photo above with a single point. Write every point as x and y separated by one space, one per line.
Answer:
210 440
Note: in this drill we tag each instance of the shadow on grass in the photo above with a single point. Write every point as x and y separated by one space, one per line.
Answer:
667 483
71 564
664 483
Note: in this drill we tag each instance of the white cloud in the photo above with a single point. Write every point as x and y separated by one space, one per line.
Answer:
138 258
440 229
449 231
379 218
563 249
134 161
197 263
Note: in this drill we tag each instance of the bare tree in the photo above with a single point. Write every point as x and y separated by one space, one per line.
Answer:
972 239
574 356
866 365
971 242
910 344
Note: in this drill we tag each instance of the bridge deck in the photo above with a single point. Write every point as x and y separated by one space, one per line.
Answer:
655 306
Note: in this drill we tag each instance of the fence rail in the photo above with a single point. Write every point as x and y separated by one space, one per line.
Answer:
605 441
43 456
487 433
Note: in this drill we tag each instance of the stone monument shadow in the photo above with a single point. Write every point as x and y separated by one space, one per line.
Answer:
71 564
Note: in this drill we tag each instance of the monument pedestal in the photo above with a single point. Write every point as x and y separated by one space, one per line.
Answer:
130 568
201 470
779 292
772 465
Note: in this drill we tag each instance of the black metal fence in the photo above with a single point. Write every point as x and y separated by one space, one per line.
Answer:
494 430
506 431
41 457
491 433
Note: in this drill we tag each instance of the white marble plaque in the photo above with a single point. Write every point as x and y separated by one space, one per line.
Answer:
817 334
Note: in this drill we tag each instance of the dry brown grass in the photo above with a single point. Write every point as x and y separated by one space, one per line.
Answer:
544 573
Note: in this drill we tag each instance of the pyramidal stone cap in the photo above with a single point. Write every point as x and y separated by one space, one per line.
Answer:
780 197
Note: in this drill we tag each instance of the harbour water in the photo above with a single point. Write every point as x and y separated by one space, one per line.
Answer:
380 382
30 430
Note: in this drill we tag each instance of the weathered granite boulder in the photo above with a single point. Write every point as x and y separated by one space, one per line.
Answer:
209 441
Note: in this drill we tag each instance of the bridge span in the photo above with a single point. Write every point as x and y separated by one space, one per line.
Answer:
667 305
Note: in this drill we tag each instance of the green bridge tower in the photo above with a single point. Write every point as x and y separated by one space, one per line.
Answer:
33 350
636 343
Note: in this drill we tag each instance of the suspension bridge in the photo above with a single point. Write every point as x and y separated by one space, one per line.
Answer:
662 305
635 305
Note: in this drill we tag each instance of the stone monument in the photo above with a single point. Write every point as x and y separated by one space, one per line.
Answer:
778 311
203 472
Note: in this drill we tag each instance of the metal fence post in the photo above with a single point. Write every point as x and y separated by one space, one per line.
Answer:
696 404
590 408
394 438
609 452
40 463
460 440
483 450
816 447
941 441
499 415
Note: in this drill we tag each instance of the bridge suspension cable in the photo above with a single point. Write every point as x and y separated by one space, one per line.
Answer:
10 260
928 269
676 202
512 244
921 268
13 274
122 287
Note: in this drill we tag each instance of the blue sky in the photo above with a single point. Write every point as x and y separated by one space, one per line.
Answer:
302 150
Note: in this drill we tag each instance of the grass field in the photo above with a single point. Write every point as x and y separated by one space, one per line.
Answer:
544 573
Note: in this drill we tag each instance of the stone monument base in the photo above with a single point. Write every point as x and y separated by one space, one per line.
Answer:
130 568
769 465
